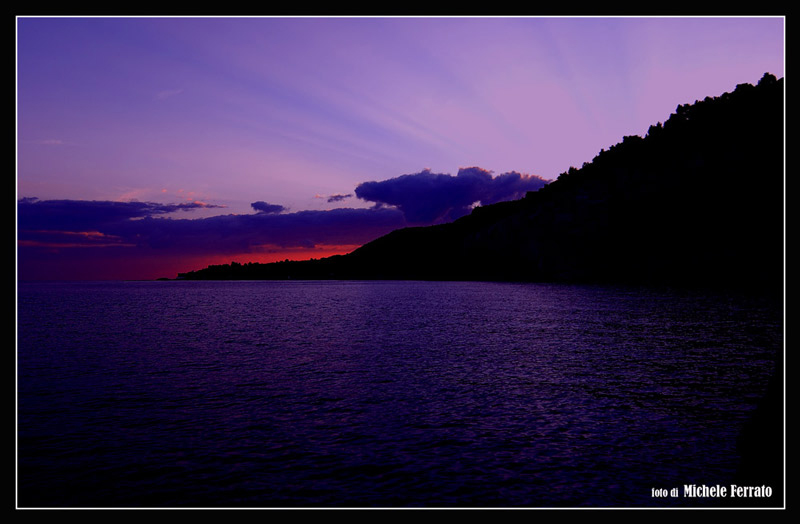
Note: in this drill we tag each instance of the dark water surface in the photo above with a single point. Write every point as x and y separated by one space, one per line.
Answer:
360 394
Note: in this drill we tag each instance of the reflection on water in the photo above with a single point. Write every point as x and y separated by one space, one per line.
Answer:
381 393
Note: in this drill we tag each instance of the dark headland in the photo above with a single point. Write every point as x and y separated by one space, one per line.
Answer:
696 201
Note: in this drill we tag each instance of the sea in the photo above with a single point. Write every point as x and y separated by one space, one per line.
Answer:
383 394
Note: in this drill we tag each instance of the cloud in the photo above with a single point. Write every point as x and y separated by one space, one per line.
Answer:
337 198
429 198
90 215
333 198
59 236
58 223
263 207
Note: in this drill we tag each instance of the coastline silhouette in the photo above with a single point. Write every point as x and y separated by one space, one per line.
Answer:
697 201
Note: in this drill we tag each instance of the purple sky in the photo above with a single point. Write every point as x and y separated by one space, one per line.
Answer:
283 119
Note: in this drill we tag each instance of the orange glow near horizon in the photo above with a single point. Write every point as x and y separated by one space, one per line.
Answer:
125 264
269 255
276 254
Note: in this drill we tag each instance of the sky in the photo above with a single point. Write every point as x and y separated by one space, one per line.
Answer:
151 146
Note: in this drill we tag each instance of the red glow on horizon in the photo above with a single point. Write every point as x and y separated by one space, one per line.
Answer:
121 263
172 266
272 255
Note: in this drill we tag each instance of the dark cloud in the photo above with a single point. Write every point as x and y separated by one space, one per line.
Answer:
338 198
68 235
263 207
77 223
243 233
429 198
89 215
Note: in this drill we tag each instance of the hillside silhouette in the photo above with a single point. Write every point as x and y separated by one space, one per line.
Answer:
697 201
